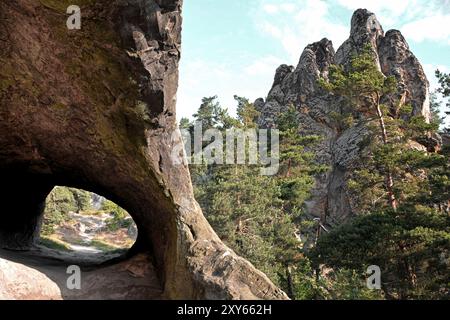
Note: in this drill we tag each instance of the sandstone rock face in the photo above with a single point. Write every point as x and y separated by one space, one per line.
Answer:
20 282
42 275
95 109
341 151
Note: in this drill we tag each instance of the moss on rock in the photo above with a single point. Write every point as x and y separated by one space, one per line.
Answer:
62 5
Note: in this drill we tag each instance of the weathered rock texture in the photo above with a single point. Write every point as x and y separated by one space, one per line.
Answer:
95 109
20 282
41 274
341 150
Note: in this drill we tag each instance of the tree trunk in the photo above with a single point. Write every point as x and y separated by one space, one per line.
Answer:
290 282
288 173
389 179
408 273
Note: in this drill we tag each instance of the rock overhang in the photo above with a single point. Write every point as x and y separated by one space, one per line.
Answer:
82 127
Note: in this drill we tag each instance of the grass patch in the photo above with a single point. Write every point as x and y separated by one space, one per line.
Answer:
103 246
54 244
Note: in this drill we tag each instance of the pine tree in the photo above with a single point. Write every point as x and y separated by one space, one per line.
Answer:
58 204
246 112
185 123
411 246
82 199
363 86
207 114
410 240
256 215
211 115
444 81
296 179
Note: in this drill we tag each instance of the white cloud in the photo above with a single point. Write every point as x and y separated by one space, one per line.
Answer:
430 70
293 24
433 28
264 66
395 8
270 8
419 20
297 25
307 21
288 7
202 78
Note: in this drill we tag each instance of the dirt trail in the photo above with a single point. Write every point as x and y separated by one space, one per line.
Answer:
89 227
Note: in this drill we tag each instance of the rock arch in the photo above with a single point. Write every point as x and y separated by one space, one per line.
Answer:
95 109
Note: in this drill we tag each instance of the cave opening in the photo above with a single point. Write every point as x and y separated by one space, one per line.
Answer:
80 222
46 230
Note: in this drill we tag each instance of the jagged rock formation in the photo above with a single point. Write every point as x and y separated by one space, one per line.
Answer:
332 201
95 109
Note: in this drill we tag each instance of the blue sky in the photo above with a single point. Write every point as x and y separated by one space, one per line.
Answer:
234 46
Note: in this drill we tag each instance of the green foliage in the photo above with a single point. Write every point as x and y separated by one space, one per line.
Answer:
208 113
444 81
242 209
435 109
264 220
53 244
411 246
185 123
59 203
62 200
360 80
296 163
246 112
420 177
60 230
416 127
256 215
343 120
103 246
82 199
346 284
212 115
120 219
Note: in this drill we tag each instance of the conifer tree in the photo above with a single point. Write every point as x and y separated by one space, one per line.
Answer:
256 215
411 240
363 86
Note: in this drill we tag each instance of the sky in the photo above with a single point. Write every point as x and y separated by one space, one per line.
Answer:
233 47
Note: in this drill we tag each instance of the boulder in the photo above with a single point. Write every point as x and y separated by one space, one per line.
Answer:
19 282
